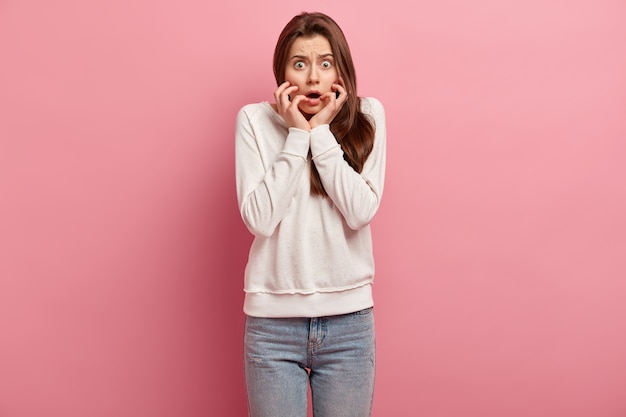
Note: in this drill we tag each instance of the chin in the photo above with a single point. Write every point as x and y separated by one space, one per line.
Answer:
309 110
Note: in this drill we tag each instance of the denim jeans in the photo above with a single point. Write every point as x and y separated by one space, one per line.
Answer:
336 355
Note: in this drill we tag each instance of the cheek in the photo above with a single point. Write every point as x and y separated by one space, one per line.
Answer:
291 77
297 82
287 76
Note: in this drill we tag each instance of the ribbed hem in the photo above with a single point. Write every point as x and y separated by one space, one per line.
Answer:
319 304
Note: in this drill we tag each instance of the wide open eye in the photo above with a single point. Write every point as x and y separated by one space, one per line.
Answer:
327 64
298 65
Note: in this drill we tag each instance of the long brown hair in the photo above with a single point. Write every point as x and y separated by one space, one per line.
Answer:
352 128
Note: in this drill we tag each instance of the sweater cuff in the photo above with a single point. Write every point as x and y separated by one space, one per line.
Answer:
297 142
322 140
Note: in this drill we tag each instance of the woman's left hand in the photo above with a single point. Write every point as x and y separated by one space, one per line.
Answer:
333 104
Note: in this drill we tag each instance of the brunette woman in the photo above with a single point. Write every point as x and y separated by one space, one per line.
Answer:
310 171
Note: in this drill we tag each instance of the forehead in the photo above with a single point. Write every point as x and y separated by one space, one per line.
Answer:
316 44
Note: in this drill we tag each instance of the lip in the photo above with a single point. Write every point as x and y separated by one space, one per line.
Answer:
310 92
313 101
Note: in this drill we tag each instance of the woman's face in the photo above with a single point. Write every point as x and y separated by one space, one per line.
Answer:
311 67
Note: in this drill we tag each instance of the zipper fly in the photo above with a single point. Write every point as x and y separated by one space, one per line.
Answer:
317 334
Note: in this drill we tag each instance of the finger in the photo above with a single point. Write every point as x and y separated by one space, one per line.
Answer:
296 99
292 89
343 97
327 95
340 87
283 86
280 89
332 96
283 97
288 95
343 93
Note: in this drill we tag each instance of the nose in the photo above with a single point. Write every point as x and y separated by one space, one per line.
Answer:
313 77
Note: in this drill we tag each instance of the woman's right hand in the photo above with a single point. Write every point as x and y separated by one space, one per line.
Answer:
288 108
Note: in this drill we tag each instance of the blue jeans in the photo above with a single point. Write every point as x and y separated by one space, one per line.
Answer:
335 354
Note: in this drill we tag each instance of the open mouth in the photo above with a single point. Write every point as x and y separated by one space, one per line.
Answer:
313 95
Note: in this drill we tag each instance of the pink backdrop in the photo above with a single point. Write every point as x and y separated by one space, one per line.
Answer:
500 243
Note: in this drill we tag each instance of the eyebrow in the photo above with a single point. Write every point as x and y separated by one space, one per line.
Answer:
306 57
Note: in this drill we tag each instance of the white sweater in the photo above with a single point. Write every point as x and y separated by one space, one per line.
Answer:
311 256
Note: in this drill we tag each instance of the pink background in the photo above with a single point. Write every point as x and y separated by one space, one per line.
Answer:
500 243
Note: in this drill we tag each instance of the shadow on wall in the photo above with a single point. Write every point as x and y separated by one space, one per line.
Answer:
225 259
226 242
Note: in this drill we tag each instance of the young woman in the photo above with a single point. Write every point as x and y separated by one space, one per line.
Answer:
310 172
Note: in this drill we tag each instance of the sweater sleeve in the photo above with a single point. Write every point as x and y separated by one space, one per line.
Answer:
357 196
265 188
